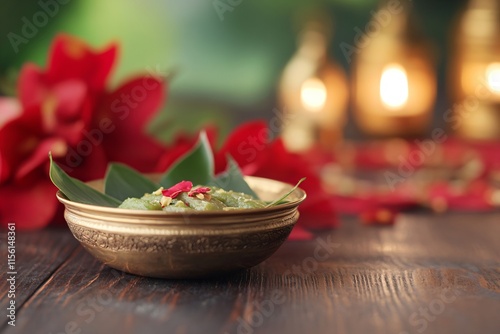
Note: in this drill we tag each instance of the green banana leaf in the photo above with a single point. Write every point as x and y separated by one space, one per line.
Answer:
196 166
122 182
232 179
77 191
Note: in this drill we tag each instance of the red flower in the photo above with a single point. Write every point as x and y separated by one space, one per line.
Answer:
251 146
175 190
66 109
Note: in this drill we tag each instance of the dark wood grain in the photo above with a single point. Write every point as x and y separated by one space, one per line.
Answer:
38 254
426 274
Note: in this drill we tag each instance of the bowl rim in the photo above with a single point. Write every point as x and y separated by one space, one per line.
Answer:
151 214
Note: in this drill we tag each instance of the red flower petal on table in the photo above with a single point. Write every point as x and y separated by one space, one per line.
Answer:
129 109
298 233
247 145
71 58
175 190
379 216
30 205
474 197
318 211
199 190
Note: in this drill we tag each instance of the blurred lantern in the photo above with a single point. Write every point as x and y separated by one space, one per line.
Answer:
394 81
313 93
474 74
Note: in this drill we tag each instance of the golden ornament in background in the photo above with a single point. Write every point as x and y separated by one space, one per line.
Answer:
474 73
394 80
313 93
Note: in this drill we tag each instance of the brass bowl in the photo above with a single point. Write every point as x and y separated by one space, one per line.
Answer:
180 245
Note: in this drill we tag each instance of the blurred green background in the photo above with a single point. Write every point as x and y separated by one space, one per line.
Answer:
227 70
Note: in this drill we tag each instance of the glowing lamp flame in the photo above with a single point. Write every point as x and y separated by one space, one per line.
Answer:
394 86
313 94
493 77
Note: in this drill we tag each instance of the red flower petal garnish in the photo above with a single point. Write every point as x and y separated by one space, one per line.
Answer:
175 190
199 190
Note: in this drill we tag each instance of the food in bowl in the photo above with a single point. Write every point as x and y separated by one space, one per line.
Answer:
122 222
183 197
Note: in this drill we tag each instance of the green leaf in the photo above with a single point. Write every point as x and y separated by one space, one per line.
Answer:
122 182
196 166
77 191
232 179
280 200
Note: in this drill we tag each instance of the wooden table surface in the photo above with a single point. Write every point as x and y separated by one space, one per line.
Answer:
426 274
